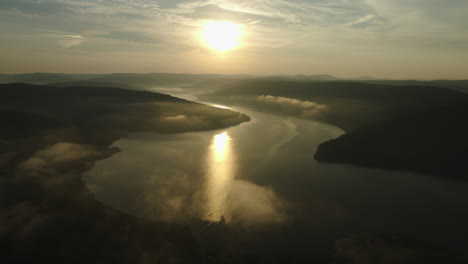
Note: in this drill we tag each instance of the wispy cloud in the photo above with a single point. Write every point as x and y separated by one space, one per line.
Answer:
69 41
361 20
297 31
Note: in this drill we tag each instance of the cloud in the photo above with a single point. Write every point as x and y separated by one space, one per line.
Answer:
164 192
254 205
44 8
35 218
56 156
258 8
167 195
361 20
194 117
133 36
50 172
305 109
434 13
69 41
293 36
55 167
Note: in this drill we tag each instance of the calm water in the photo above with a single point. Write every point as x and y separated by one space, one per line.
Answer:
261 179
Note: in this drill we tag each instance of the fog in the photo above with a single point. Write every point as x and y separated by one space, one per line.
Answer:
259 180
138 177
184 177
291 106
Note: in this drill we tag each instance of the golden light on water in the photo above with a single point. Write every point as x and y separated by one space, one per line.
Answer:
222 35
220 177
220 145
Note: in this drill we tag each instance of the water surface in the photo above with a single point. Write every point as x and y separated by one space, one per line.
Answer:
260 179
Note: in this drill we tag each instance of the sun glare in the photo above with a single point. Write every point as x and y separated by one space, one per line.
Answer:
222 35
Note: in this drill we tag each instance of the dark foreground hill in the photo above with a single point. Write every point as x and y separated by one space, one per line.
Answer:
402 127
432 142
115 110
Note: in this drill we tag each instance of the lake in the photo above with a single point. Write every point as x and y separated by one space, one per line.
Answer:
256 189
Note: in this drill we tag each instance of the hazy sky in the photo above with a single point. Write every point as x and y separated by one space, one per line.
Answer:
347 38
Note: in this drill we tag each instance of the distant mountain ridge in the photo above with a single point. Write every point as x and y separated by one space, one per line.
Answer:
151 80
143 80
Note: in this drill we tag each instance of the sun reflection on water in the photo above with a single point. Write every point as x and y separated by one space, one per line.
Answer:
220 177
220 146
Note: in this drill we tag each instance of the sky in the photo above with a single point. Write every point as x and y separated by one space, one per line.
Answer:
400 39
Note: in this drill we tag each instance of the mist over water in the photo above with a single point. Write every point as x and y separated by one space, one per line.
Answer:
261 175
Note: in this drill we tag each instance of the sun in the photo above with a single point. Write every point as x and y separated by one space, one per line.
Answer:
222 35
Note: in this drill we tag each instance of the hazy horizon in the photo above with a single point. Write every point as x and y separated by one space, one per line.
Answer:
338 78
